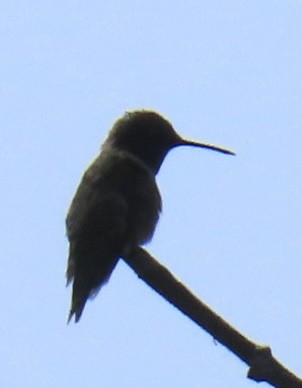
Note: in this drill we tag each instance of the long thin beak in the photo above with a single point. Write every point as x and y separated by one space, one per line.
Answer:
213 147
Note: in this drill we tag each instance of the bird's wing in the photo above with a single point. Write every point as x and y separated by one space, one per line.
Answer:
97 220
94 212
97 229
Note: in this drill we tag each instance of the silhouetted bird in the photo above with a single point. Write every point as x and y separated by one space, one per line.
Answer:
117 204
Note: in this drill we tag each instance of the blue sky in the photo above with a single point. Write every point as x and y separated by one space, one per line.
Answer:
227 72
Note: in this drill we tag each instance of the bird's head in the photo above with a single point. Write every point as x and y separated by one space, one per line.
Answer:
149 136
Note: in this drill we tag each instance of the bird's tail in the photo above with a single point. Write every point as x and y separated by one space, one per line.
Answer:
86 284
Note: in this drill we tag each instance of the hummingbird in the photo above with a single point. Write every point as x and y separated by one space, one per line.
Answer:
117 204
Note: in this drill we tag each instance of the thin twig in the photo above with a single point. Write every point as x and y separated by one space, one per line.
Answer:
263 366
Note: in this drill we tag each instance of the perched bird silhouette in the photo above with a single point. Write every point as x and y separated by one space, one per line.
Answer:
117 204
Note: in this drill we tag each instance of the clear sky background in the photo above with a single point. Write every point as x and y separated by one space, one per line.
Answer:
227 72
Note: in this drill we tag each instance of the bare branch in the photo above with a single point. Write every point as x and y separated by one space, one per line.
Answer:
263 366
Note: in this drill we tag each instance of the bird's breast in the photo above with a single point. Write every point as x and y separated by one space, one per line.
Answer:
138 187
145 207
135 183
